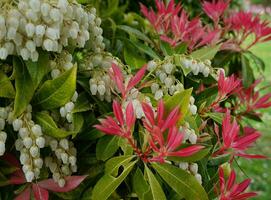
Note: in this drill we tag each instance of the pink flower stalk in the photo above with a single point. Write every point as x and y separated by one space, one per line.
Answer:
215 9
122 125
118 78
159 126
251 99
245 24
227 85
232 142
229 190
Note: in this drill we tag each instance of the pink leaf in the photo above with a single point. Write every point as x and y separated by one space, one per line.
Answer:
25 195
40 193
137 78
71 183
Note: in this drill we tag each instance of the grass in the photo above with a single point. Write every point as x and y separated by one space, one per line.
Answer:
260 170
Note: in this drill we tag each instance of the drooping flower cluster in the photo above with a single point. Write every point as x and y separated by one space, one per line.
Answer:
30 141
62 63
66 110
31 24
3 135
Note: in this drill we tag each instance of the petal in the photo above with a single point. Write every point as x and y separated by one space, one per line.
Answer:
71 183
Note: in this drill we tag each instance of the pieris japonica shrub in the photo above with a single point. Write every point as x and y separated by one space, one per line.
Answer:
97 102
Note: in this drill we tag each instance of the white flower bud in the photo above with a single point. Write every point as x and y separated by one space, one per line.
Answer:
183 165
55 14
187 63
168 82
154 87
2 124
11 34
194 168
27 141
69 106
53 144
34 56
63 112
38 162
168 67
35 5
75 96
72 160
45 8
65 158
26 168
56 176
74 168
192 100
64 143
193 138
3 113
206 72
195 69
40 30
24 158
2 148
151 65
30 29
30 45
55 73
48 45
101 89
37 172
40 141
19 145
17 124
23 132
52 33
3 136
61 182
3 53
36 129
34 151
65 169
69 117
193 109
29 176
162 76
158 95
199 178
93 89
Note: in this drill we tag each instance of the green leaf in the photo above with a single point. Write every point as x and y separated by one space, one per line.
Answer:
78 122
109 182
206 53
106 147
57 92
49 126
39 69
180 99
134 32
193 158
133 59
146 49
140 185
6 89
24 87
156 189
112 165
181 181
166 48
219 160
217 117
82 103
181 48
247 72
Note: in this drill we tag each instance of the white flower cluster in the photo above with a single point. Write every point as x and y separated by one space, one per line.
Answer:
192 107
66 111
3 135
191 168
51 25
167 83
62 63
63 162
30 141
136 98
197 67
190 134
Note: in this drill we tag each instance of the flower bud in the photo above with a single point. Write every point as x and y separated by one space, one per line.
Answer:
29 176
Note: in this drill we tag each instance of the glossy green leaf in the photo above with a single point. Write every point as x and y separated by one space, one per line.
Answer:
6 89
133 59
135 32
106 147
156 189
144 48
181 48
140 186
24 87
217 117
247 72
181 181
110 182
39 69
82 103
180 99
166 48
49 126
78 122
219 160
205 53
57 92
